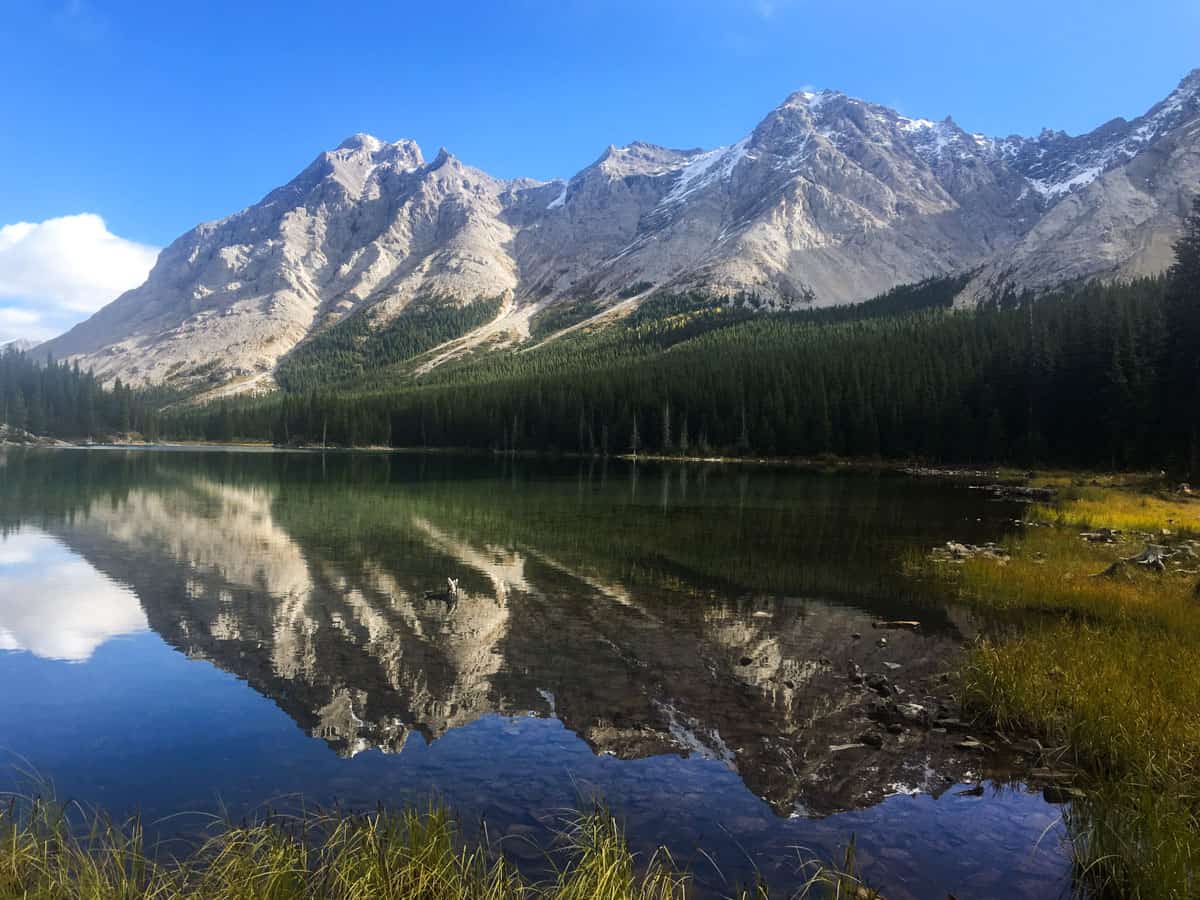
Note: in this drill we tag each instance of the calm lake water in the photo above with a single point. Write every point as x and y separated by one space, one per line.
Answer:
192 631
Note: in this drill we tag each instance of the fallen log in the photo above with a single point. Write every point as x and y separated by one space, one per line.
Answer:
908 624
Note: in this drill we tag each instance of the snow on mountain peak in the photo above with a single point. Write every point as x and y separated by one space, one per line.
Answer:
355 160
361 141
814 100
1057 164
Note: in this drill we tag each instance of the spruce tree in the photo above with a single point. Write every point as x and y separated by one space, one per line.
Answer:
1183 311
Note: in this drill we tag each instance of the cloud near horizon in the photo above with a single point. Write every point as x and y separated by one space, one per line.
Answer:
54 273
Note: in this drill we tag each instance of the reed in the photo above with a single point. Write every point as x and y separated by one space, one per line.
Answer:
48 854
1103 668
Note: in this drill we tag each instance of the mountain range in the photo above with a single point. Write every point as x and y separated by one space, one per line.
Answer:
829 200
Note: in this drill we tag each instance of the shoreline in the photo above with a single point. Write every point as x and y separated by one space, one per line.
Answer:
991 474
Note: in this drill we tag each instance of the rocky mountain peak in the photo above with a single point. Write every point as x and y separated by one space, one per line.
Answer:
361 141
830 199
366 146
1190 83
444 158
638 158
809 99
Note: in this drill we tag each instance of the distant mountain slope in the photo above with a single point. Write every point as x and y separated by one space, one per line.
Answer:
1117 198
828 200
19 344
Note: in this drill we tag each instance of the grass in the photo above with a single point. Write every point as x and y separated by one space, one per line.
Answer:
1122 509
1105 669
45 854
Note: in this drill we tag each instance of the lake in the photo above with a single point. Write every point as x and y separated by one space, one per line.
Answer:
203 631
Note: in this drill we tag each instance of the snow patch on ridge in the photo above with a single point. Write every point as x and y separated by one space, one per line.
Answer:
1078 180
705 169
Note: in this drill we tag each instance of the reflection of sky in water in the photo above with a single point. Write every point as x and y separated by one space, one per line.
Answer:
54 605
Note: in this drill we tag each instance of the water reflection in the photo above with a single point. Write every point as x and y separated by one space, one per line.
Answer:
54 605
323 596
687 614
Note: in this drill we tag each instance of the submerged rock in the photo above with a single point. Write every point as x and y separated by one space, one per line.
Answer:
871 739
1015 491
880 685
891 712
1053 793
956 552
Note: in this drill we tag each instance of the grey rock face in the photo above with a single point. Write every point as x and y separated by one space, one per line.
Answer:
828 200
1115 198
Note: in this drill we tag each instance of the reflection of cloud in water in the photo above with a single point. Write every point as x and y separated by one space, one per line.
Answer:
53 604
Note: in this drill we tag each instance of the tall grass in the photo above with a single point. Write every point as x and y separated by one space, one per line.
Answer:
1130 504
1107 670
45 854
380 856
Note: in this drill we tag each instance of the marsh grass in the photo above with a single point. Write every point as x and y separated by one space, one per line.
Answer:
48 852
379 856
1106 670
1127 503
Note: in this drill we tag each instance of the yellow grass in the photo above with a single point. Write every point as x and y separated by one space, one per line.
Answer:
1108 670
406 855
1142 503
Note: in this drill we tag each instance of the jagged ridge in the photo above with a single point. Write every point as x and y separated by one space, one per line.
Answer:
830 199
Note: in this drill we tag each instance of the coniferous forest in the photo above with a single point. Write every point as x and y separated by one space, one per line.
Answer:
1092 375
58 400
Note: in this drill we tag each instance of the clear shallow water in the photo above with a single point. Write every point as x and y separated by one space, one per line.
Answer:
186 631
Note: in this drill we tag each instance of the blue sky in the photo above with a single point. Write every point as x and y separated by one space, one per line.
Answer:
158 116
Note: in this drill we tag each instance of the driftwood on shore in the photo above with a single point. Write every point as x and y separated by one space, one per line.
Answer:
1154 556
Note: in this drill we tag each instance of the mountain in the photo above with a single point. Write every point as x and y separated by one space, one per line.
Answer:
19 344
829 200
1116 197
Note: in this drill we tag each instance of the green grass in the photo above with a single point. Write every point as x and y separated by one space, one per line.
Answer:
1105 670
408 855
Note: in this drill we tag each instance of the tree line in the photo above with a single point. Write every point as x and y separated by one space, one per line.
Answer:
1091 375
59 400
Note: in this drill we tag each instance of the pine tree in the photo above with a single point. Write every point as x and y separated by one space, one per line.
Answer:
743 441
1183 311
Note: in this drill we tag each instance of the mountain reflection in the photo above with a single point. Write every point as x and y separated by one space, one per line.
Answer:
718 626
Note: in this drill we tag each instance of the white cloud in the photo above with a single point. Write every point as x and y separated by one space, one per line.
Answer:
55 605
69 265
17 323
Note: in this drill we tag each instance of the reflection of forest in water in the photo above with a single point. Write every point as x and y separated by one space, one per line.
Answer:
653 610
